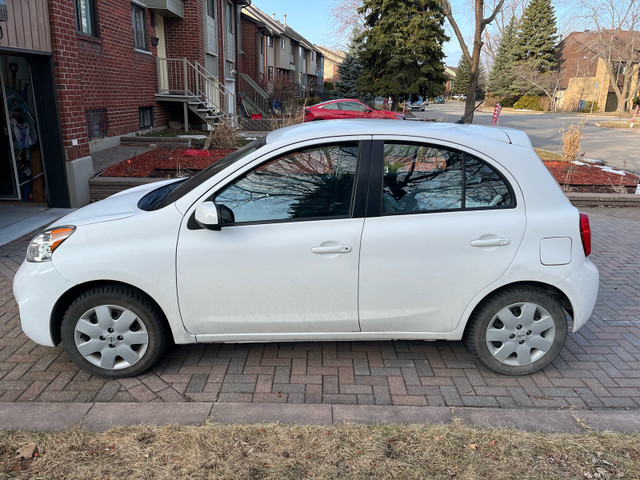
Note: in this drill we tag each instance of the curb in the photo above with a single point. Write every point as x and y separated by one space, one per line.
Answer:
603 199
102 416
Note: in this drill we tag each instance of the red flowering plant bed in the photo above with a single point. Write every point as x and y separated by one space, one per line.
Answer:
182 162
165 163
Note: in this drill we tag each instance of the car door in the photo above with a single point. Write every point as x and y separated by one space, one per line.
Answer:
285 260
444 225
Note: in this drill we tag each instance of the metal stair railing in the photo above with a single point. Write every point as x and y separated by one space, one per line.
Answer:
181 77
251 91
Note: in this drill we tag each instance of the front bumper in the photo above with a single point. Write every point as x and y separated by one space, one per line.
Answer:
37 287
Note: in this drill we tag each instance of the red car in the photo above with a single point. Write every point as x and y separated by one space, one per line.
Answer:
346 108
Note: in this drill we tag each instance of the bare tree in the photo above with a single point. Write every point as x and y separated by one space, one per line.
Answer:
473 57
493 34
346 20
547 82
617 42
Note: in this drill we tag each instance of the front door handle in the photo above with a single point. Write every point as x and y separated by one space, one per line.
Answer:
491 242
320 249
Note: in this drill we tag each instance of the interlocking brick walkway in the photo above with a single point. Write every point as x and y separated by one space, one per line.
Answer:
599 367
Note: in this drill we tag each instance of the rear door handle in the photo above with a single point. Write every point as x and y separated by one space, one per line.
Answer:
491 242
320 249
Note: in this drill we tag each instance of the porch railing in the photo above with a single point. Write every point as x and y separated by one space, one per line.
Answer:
182 77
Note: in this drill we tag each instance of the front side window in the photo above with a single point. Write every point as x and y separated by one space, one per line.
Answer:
269 41
283 44
425 178
230 18
211 8
317 182
86 20
139 24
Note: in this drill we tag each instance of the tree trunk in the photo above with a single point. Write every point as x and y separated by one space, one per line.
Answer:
470 104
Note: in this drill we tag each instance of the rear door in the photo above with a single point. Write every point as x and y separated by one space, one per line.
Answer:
442 225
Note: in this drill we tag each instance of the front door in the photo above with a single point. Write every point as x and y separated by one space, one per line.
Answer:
286 259
447 225
163 74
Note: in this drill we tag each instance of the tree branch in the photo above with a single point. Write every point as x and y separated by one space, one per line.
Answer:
446 7
492 17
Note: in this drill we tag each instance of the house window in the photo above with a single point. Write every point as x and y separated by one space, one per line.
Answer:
146 117
312 56
139 24
261 44
270 73
211 8
283 44
86 21
96 123
230 18
270 41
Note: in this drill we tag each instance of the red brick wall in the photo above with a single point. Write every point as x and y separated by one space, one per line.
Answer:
185 37
248 62
103 72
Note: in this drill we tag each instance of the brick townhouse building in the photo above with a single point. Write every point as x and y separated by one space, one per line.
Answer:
102 69
275 56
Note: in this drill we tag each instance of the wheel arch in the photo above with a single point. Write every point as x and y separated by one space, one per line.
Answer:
552 290
70 295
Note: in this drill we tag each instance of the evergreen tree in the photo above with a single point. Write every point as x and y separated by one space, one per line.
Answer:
502 78
349 72
463 74
402 48
463 77
537 36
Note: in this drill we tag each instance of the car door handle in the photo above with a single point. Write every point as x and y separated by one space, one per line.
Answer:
491 242
331 249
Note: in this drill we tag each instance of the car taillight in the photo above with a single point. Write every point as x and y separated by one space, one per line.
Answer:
585 233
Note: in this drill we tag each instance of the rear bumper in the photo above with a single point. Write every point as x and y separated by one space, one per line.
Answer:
581 286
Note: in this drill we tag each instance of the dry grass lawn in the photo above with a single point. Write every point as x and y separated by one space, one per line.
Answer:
293 452
547 156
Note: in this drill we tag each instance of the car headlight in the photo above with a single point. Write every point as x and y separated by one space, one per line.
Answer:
41 248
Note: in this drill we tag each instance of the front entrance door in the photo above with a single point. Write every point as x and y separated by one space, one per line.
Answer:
163 75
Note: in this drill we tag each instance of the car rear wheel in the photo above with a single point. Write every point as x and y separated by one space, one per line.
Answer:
517 331
113 332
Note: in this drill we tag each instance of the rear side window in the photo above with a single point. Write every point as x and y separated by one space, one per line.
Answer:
425 178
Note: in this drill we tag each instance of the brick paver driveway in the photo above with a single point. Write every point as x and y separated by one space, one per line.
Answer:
599 367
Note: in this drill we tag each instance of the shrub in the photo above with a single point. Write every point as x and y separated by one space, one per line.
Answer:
223 135
329 85
508 102
586 107
528 102
571 142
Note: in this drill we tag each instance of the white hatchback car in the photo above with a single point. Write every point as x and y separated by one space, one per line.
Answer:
337 230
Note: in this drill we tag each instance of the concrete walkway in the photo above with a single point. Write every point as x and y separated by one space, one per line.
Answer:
595 381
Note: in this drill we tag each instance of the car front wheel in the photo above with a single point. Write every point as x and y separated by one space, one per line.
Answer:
517 331
113 332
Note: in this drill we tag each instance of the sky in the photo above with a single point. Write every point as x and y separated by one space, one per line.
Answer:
313 20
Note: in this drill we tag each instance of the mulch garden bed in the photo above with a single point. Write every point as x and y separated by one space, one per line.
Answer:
171 163
165 163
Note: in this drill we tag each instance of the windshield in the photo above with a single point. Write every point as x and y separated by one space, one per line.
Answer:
168 194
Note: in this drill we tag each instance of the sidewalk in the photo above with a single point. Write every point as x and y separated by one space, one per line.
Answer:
594 381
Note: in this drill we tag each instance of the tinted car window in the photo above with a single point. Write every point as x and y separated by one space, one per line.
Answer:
352 106
332 106
423 178
484 186
310 183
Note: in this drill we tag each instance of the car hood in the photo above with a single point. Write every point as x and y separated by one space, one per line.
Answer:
121 205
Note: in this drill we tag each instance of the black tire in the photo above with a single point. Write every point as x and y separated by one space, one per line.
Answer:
517 331
97 343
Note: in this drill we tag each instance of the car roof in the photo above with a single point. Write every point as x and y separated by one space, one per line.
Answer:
336 100
464 134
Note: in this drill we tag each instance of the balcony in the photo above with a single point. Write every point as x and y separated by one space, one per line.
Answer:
167 8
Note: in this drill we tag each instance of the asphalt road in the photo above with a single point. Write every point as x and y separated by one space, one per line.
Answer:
619 148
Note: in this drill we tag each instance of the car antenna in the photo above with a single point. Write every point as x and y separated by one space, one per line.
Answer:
465 117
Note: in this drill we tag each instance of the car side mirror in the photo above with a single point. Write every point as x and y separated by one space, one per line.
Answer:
208 216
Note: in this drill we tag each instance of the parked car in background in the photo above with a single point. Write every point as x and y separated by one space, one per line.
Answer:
419 105
344 230
438 99
346 108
